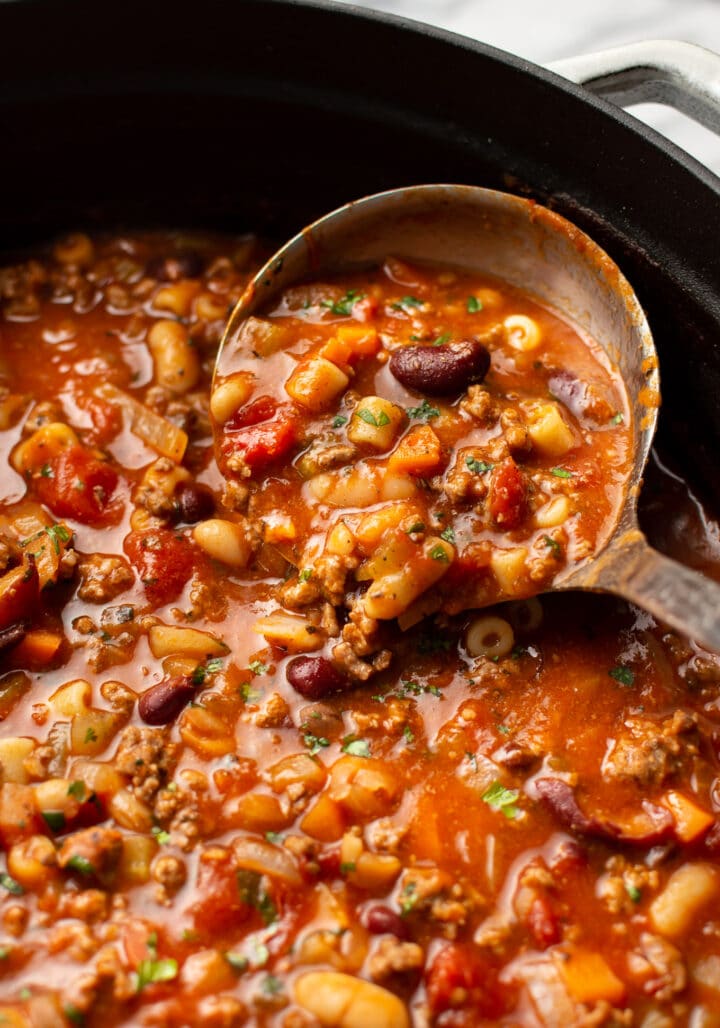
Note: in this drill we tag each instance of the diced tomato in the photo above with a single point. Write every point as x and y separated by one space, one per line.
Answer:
507 494
542 922
221 907
78 485
366 308
460 977
260 433
105 417
163 560
136 935
259 410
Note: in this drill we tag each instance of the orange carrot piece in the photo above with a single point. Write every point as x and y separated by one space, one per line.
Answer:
691 821
418 452
589 978
38 648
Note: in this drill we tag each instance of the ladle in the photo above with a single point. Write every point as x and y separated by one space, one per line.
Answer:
536 249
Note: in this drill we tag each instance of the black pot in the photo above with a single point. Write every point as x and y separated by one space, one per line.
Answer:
266 113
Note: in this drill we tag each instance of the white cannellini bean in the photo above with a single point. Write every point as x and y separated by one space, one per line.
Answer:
223 540
177 364
686 892
340 1000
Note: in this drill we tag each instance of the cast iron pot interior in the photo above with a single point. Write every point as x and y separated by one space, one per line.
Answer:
266 113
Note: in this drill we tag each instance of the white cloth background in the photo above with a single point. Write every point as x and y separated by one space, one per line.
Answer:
546 30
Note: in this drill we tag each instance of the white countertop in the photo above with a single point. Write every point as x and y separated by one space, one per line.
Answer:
547 31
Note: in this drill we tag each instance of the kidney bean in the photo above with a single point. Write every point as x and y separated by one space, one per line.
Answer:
441 370
194 502
171 269
314 677
380 920
162 703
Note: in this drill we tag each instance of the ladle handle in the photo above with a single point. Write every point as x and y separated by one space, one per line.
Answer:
681 597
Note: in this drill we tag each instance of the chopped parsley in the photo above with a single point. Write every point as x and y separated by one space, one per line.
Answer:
355 747
151 971
90 735
622 674
315 743
438 553
254 895
441 339
305 575
46 471
408 734
424 412
473 305
502 800
378 420
203 670
257 667
274 837
237 961
54 819
504 729
58 534
9 883
81 864
408 898
77 790
161 835
554 545
271 985
407 302
418 526
339 420
478 467
343 307
348 867
561 473
633 892
448 535
617 419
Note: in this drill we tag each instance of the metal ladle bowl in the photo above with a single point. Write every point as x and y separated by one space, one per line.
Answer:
542 253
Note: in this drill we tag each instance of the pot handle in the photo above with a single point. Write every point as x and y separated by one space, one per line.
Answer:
681 75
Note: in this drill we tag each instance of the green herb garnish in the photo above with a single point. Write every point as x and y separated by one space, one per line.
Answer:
478 467
502 800
561 473
473 305
355 747
378 420
622 674
424 412
151 971
315 743
343 307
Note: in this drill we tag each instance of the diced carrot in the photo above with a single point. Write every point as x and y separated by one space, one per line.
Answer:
38 648
18 593
589 978
362 340
691 821
418 452
338 352
324 820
